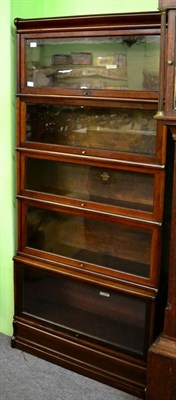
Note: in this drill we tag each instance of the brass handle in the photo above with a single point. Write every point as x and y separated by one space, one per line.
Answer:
105 176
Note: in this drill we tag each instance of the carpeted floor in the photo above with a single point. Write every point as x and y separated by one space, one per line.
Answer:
25 377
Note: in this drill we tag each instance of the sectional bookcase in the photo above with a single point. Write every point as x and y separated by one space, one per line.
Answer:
94 182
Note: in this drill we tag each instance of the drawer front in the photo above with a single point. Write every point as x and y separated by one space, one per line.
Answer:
129 191
85 310
107 132
90 241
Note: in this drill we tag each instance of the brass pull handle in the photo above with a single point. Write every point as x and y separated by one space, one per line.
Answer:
105 176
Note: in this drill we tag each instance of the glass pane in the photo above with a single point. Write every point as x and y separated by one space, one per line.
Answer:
116 62
132 131
101 314
103 185
108 244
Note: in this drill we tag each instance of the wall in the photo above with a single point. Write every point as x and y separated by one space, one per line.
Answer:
53 8
9 9
6 172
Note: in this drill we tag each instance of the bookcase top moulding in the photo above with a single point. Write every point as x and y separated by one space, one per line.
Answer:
90 22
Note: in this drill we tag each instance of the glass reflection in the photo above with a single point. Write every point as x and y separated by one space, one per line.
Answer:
132 131
108 63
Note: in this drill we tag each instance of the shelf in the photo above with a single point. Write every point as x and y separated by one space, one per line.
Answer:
85 310
108 244
97 184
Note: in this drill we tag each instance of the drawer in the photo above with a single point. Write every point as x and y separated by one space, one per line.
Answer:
113 246
128 190
85 310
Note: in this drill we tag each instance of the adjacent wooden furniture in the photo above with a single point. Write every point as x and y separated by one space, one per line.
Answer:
161 376
94 195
